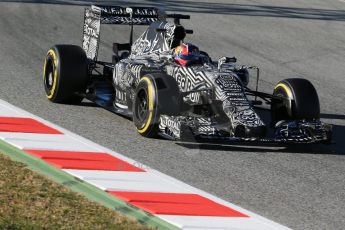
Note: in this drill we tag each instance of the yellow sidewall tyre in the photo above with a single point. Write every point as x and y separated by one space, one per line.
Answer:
145 112
302 103
65 74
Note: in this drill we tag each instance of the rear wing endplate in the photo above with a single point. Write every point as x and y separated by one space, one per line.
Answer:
96 15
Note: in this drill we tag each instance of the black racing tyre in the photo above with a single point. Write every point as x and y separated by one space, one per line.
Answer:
156 94
145 112
65 74
304 103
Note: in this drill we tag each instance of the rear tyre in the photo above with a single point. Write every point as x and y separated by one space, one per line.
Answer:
145 110
65 74
302 103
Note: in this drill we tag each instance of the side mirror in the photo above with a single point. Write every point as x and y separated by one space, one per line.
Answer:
224 60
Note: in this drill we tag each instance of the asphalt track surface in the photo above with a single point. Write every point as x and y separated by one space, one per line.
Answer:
300 187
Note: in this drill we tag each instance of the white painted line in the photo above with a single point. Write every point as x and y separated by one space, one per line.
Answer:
216 223
46 142
7 110
127 181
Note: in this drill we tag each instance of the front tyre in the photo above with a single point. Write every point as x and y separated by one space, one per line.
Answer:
145 112
65 74
302 100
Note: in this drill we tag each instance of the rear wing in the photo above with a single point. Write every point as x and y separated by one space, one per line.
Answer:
96 15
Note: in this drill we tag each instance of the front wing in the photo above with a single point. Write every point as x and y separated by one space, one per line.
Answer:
203 130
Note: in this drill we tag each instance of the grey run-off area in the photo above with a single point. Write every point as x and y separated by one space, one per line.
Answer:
301 187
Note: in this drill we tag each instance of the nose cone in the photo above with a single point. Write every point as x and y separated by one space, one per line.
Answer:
247 132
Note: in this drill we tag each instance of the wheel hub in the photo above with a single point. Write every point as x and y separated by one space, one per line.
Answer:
142 106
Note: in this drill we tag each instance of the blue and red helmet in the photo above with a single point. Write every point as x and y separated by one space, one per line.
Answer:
187 54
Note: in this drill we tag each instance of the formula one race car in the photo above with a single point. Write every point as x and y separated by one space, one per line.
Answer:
172 89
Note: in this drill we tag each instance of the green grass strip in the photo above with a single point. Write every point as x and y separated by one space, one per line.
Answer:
91 192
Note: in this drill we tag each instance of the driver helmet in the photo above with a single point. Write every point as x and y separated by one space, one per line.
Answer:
187 54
